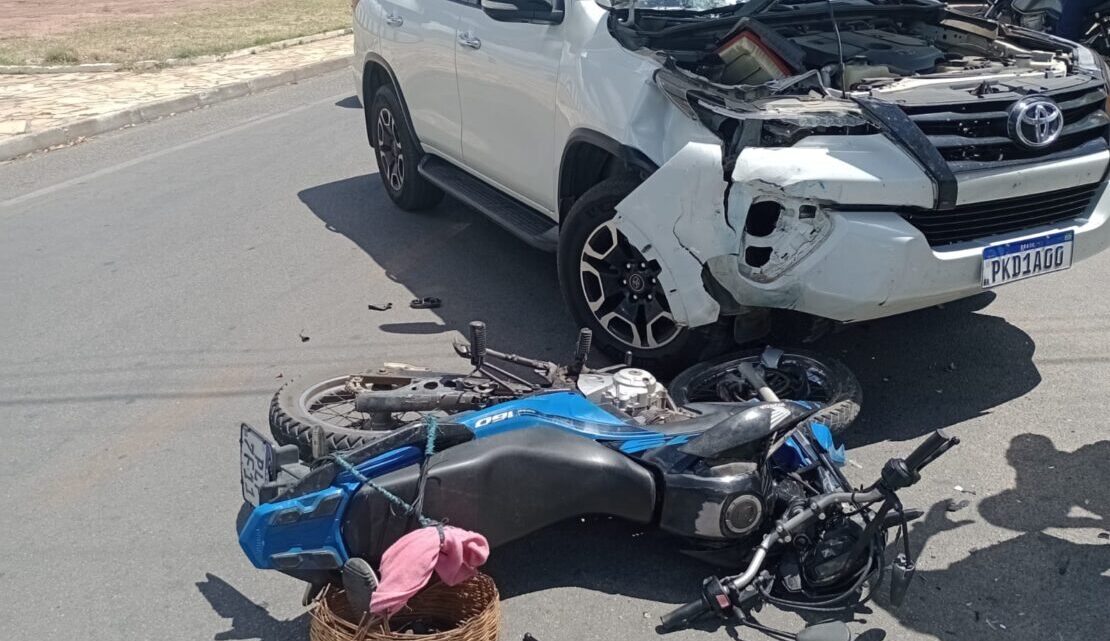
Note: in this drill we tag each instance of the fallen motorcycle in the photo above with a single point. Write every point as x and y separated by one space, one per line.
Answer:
345 411
759 476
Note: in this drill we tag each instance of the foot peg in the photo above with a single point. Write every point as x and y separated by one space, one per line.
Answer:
359 582
477 343
581 351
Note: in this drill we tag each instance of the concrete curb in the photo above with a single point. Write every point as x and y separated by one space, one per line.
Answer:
27 143
149 65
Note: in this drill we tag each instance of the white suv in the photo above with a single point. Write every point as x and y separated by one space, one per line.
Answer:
697 164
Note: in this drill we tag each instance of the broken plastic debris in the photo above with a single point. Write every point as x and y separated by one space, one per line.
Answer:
428 302
956 506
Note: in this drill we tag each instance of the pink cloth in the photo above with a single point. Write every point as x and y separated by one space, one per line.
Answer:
408 564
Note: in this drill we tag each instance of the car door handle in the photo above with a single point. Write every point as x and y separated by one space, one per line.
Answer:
468 40
394 20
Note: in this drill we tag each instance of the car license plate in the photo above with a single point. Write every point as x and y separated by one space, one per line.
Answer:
1027 258
256 463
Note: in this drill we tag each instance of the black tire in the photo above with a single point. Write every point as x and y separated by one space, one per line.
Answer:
292 418
675 347
398 153
801 376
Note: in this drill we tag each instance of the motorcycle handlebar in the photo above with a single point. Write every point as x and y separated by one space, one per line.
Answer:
938 443
683 616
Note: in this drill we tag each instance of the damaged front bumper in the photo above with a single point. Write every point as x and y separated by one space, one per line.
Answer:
823 227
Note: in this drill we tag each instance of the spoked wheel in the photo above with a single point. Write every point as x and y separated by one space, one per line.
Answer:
797 375
328 403
623 291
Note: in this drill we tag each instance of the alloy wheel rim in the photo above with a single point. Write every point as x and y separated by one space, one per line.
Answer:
390 151
623 290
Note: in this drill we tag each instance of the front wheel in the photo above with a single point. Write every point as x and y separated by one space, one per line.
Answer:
614 290
794 374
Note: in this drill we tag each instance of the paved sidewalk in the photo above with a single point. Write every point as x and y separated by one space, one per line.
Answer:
46 110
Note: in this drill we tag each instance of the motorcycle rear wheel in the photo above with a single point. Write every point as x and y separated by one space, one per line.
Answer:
325 401
800 376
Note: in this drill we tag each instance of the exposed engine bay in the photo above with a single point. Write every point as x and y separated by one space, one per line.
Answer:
796 49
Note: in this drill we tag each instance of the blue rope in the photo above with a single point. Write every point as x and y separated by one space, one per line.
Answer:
433 428
429 448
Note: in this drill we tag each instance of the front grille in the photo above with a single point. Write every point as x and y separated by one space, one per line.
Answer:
972 135
980 220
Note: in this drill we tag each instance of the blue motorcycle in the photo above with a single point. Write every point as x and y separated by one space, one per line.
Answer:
361 463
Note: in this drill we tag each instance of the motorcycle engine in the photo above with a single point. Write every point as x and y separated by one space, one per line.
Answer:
632 390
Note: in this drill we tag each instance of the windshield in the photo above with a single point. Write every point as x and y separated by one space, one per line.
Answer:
684 5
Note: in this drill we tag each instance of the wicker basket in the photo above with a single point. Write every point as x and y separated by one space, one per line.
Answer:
470 611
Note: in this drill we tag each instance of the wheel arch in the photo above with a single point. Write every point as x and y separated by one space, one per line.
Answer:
376 73
590 157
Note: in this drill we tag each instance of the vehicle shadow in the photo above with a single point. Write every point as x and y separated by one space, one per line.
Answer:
248 619
1052 581
450 252
919 371
933 368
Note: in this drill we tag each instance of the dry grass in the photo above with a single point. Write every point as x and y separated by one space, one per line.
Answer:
193 32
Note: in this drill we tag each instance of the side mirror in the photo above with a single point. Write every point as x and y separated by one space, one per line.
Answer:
529 11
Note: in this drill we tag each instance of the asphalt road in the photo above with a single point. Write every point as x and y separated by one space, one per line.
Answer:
156 285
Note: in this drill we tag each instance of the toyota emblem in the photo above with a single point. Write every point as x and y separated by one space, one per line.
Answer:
1035 122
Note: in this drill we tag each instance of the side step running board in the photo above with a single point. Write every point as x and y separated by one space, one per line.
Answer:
519 219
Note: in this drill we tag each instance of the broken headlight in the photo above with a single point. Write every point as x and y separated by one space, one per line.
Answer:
787 131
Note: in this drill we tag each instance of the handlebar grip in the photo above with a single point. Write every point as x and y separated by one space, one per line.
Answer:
936 444
682 617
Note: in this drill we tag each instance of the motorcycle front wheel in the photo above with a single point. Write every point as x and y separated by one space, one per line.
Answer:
792 374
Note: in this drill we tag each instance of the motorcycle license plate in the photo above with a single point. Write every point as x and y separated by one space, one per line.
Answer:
1027 258
256 463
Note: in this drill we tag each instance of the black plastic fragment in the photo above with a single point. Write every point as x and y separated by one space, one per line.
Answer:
428 302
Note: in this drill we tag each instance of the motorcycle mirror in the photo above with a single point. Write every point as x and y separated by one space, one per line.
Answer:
830 631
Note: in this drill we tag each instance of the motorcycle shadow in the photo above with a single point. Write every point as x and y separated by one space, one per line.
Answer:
1051 581
249 620
598 554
